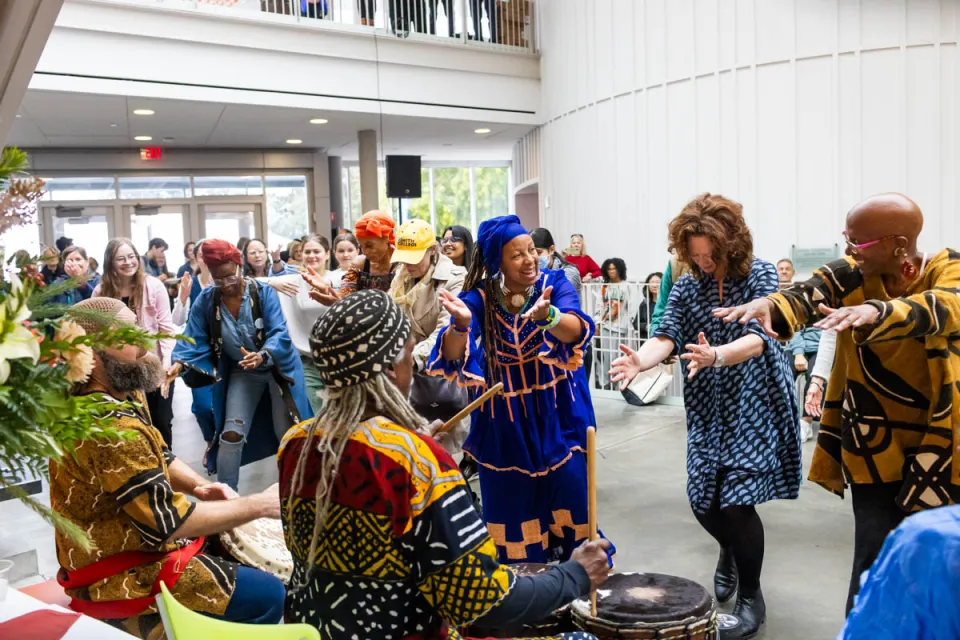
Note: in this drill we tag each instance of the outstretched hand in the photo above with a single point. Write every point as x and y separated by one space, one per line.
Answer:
457 309
625 368
541 308
699 356
760 310
320 289
861 315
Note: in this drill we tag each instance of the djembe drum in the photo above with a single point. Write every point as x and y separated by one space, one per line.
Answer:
259 544
558 622
649 606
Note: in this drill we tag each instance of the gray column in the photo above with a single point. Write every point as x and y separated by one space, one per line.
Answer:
338 212
369 191
321 194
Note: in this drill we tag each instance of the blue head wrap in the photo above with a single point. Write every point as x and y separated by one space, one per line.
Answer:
492 235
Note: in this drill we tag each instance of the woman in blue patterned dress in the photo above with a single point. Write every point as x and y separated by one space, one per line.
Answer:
519 325
743 438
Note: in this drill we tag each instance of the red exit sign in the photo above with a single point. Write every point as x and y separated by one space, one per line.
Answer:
151 153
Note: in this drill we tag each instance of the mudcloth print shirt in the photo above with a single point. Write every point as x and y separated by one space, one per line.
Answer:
892 411
404 553
119 493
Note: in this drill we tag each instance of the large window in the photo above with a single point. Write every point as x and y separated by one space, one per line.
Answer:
152 187
228 186
288 214
65 189
450 195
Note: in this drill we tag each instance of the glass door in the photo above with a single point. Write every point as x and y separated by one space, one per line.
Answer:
232 221
158 221
90 227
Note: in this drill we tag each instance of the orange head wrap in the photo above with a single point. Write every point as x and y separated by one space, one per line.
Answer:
375 224
218 252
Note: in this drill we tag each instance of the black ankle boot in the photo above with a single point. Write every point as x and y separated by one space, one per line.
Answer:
725 578
748 616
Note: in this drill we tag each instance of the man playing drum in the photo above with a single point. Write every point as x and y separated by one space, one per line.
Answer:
130 497
386 542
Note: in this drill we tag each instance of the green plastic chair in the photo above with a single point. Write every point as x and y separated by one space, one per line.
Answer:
181 623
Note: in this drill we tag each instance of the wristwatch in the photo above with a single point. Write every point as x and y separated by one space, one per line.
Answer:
277 261
720 359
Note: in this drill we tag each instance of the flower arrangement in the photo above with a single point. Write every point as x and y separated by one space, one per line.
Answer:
43 354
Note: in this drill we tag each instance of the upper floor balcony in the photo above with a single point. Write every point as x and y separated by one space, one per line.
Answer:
451 59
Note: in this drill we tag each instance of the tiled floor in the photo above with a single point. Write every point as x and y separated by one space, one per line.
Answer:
642 507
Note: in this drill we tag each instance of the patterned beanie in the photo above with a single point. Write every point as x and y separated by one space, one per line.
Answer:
358 337
122 315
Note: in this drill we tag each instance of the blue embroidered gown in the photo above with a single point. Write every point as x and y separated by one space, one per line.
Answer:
743 432
529 441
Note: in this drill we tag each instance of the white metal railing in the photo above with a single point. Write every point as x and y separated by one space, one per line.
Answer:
499 24
622 313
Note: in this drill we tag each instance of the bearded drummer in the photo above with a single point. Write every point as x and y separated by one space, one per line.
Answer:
130 497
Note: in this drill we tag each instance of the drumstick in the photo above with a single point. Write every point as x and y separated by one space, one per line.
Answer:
470 408
592 499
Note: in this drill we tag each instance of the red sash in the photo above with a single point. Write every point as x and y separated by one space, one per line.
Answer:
174 565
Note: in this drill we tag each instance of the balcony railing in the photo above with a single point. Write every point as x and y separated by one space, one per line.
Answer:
506 25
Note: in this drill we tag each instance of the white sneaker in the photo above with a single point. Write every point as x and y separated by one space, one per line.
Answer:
806 431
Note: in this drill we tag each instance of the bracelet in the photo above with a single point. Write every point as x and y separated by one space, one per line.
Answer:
552 319
458 330
814 383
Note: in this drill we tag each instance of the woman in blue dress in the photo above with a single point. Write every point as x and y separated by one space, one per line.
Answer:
743 434
519 325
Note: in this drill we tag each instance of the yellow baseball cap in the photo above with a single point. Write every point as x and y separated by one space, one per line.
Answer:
413 239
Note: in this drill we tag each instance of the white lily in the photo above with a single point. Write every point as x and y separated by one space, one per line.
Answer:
16 340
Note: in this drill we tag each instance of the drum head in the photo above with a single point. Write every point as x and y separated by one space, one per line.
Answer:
260 544
649 597
649 606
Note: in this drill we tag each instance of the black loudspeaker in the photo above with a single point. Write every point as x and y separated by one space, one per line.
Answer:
403 176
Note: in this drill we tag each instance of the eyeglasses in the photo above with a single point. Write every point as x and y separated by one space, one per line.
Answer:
229 281
125 259
857 248
450 240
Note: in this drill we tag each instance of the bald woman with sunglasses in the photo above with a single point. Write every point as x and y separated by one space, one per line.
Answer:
892 400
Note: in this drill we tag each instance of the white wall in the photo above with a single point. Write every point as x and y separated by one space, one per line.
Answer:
796 108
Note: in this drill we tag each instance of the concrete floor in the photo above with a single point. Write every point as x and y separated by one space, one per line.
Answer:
642 507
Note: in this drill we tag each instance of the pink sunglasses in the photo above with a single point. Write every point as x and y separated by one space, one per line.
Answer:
856 248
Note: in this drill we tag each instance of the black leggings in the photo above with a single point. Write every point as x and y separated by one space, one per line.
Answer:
739 529
161 413
875 514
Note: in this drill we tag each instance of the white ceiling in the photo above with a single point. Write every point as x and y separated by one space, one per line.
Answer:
63 120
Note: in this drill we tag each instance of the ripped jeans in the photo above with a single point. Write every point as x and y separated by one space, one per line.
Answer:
245 390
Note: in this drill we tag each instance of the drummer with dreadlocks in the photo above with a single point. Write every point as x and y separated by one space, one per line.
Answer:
386 542
523 327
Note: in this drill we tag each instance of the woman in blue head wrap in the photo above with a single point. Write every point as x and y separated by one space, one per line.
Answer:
519 325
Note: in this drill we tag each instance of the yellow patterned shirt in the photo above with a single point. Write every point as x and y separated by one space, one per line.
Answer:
119 493
892 409
404 553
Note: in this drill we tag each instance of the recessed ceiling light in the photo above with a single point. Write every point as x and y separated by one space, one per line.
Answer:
19 116
294 141
481 130
143 112
318 121
113 125
143 138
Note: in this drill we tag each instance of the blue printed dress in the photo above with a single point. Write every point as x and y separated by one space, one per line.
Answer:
529 441
743 434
